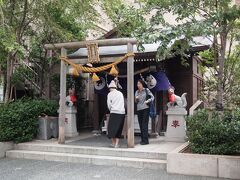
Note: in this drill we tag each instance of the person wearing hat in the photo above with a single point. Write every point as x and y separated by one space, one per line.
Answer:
115 102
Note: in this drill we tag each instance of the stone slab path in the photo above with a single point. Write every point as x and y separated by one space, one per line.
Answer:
22 169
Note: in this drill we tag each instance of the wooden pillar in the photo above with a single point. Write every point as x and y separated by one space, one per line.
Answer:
94 112
62 109
130 97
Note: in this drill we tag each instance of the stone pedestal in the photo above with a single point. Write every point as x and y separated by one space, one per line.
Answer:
47 127
176 126
70 122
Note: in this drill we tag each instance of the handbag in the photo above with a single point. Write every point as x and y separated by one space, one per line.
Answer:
152 112
148 97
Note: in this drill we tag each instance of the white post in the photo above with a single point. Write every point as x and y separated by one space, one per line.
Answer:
130 97
62 109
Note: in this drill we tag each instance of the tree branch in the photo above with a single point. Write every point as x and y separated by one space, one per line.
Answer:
23 20
230 47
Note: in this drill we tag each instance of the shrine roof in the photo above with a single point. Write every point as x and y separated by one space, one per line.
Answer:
198 42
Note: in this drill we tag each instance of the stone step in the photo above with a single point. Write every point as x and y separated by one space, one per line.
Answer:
88 159
101 151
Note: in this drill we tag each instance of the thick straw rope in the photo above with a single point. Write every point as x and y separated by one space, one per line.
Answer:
83 69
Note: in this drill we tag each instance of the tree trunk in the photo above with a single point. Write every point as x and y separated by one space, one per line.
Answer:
41 82
8 79
11 93
221 60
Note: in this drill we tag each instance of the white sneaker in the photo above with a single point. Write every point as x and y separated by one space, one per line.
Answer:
112 145
117 146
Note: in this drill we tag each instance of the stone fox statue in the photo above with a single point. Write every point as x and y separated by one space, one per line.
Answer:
176 101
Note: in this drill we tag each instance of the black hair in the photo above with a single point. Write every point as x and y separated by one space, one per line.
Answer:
142 82
171 87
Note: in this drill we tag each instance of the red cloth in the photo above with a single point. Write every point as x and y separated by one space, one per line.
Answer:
73 98
171 98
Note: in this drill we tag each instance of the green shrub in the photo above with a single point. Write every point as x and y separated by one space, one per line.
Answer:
215 135
19 120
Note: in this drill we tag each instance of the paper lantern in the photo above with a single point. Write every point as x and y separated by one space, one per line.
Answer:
95 78
113 71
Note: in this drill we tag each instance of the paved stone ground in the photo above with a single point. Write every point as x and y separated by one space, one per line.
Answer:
101 141
19 169
158 145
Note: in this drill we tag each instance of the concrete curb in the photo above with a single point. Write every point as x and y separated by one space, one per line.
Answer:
101 151
5 146
220 166
89 159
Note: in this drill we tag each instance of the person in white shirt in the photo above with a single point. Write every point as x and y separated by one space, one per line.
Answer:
115 102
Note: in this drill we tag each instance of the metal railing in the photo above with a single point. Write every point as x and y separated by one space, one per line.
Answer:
194 107
31 75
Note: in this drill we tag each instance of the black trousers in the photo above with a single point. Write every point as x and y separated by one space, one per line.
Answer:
143 119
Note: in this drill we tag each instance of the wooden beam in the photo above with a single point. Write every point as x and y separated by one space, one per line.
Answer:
136 72
102 60
130 96
62 109
80 44
108 59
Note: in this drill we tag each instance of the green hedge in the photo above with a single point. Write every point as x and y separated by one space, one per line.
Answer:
215 135
19 120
